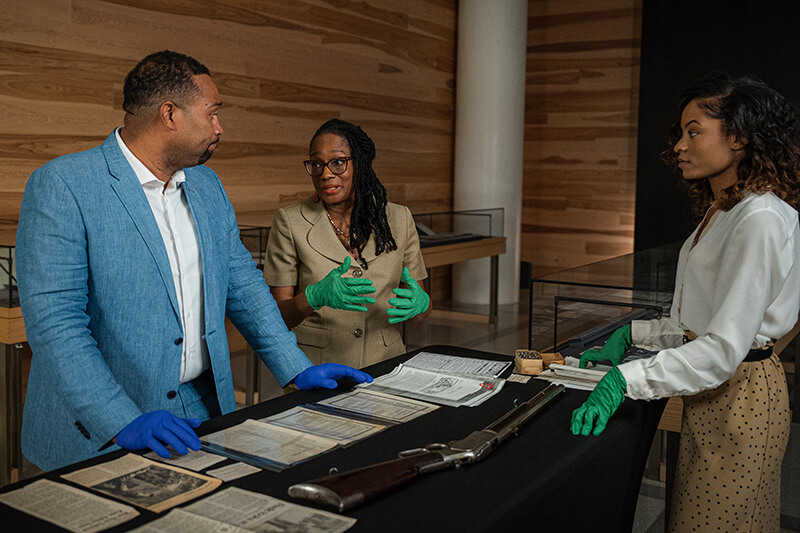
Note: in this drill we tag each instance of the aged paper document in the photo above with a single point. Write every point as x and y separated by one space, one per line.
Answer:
145 483
277 447
342 430
237 510
376 406
68 507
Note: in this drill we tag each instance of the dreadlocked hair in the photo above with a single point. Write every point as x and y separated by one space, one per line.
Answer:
369 205
764 122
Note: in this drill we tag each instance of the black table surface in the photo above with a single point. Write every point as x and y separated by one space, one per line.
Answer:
544 479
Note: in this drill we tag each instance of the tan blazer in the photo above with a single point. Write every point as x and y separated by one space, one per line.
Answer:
303 248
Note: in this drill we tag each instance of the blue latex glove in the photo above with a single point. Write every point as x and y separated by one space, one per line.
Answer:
155 429
337 292
324 376
411 302
613 350
601 404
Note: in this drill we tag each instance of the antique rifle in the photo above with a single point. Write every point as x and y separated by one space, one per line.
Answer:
346 490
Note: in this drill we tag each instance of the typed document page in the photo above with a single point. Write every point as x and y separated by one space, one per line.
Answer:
280 445
67 507
237 510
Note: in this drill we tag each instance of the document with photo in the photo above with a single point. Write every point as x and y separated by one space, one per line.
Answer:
447 389
144 483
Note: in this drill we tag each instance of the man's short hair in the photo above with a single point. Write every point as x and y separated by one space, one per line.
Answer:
160 77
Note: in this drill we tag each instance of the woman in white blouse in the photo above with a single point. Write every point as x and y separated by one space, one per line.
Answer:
737 290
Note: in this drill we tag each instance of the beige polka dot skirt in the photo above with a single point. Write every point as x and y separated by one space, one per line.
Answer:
732 443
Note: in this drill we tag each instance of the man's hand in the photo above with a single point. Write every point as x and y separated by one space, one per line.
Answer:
156 429
340 293
410 302
324 376
601 404
613 350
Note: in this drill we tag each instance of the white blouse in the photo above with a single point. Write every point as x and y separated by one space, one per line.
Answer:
738 288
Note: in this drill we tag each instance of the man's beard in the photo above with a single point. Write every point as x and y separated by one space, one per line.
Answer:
205 157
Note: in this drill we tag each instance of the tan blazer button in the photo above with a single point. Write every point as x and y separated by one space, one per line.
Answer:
357 272
358 333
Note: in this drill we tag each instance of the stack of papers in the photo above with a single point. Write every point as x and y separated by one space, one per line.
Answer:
574 377
444 379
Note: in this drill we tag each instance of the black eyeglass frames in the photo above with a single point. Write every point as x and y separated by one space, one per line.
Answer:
337 165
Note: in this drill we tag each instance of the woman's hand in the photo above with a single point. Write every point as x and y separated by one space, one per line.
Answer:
410 302
340 293
593 415
613 350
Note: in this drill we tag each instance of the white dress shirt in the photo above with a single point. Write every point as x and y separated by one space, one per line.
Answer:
174 219
738 288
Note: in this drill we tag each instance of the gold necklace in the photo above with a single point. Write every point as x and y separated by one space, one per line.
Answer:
335 227
346 240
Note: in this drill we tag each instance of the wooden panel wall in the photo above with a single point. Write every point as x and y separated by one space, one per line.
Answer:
580 131
282 68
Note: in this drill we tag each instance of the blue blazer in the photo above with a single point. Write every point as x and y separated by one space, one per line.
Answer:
101 313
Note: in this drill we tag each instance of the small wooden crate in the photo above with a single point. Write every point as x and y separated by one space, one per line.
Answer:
536 364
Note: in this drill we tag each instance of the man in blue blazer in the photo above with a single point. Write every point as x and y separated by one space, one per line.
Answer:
129 260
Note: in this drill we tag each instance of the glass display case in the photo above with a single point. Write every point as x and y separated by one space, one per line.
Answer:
578 306
451 227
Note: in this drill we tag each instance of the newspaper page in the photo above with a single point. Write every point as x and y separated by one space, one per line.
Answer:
144 483
236 510
446 389
376 406
343 430
68 507
276 446
196 460
453 364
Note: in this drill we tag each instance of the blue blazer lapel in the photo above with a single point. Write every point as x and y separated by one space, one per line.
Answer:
130 193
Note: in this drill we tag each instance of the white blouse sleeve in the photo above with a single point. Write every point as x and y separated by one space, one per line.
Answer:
757 258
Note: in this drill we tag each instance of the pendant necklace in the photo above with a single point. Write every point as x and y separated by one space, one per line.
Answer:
339 232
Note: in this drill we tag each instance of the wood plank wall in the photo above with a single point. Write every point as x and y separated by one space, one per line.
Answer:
580 131
285 67
282 68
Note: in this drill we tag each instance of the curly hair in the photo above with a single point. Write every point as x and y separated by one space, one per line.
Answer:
159 77
760 118
369 204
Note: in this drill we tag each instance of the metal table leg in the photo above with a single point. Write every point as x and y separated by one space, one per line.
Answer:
493 280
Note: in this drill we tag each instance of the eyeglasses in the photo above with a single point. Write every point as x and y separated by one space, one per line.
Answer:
337 165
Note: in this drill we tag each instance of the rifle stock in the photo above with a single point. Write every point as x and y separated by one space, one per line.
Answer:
344 491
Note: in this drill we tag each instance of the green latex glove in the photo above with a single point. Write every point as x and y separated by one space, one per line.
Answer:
613 350
340 293
411 302
601 404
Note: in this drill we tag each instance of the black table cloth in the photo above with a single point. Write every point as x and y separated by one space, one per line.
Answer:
545 479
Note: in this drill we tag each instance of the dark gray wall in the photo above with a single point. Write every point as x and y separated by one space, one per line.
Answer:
681 41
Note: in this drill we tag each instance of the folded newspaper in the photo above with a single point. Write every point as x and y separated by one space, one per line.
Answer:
444 379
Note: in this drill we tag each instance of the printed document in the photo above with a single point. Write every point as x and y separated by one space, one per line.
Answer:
67 507
375 406
236 510
145 483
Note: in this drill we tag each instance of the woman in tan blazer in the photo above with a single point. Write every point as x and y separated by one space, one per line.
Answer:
343 265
